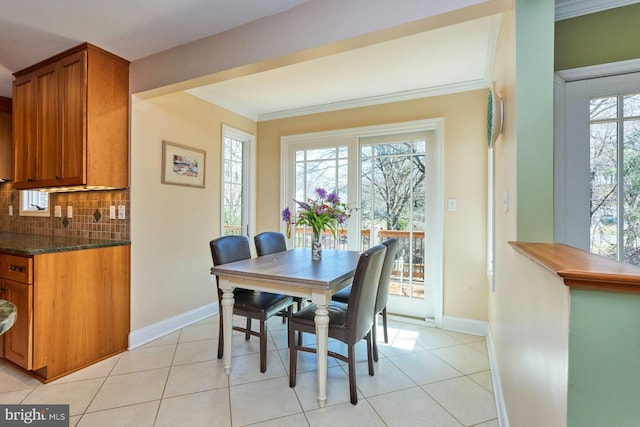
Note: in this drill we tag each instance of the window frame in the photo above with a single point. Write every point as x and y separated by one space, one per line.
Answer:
573 89
248 171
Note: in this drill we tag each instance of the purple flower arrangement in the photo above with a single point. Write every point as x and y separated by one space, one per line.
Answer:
324 212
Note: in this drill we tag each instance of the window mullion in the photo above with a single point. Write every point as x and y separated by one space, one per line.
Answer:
620 183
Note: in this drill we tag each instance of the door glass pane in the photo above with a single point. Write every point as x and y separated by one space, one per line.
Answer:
393 205
325 168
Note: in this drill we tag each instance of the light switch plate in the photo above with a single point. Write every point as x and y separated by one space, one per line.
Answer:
69 211
10 210
121 212
112 212
452 205
57 211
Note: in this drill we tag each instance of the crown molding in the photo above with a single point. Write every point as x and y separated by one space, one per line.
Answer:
573 8
380 99
600 70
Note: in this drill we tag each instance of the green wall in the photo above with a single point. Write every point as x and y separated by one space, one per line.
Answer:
604 329
598 38
534 119
604 359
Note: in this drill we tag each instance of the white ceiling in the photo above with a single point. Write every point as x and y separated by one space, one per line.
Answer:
440 61
33 30
445 60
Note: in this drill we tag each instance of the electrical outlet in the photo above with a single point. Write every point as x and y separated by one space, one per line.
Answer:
69 211
112 212
121 212
57 211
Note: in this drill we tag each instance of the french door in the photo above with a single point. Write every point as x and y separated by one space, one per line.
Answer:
390 177
393 188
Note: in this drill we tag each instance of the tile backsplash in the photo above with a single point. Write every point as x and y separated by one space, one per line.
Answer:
90 214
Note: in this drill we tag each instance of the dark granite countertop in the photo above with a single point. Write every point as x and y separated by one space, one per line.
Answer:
34 244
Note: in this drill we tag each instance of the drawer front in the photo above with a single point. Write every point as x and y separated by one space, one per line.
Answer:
16 268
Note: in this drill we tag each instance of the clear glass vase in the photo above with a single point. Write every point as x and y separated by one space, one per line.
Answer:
316 247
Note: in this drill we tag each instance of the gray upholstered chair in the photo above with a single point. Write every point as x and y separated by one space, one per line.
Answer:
250 304
383 293
348 323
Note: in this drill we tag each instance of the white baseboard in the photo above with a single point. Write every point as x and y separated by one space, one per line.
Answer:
468 326
149 333
503 420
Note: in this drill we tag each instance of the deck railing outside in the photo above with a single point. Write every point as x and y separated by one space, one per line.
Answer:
404 266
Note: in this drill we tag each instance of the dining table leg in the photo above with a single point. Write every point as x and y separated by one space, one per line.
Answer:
227 303
321 320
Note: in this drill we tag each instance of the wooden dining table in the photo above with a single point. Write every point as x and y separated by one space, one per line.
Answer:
292 273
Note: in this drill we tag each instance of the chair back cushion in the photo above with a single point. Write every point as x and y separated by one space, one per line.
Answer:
270 242
389 258
364 291
228 249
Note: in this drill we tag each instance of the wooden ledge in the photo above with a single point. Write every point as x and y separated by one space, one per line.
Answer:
580 269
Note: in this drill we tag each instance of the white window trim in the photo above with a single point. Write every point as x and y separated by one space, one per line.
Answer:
249 176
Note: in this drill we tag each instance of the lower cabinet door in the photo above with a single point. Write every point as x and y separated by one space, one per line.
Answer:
18 340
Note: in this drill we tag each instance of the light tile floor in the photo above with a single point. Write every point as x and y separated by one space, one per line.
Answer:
425 377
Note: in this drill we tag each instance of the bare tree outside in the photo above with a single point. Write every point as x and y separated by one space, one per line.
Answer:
615 177
232 186
392 180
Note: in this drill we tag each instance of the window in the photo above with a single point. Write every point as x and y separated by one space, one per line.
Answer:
597 158
34 203
236 188
614 136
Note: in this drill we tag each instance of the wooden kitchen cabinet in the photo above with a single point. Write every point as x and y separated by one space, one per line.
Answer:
71 121
6 125
16 287
18 339
73 308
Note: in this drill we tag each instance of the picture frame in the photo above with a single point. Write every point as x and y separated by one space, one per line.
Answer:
182 165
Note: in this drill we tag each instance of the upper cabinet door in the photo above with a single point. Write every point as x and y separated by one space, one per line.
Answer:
48 124
73 106
24 131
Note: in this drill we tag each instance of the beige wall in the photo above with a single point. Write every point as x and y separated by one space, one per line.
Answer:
465 284
171 226
529 310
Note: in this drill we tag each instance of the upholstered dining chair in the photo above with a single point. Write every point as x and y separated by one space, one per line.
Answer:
270 242
383 293
348 323
250 304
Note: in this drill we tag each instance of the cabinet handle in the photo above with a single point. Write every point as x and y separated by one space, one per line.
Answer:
3 289
16 268
58 178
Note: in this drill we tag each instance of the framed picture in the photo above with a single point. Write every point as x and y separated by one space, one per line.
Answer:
182 165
